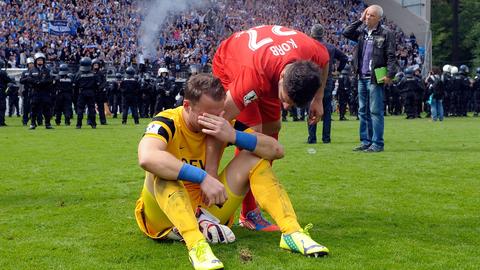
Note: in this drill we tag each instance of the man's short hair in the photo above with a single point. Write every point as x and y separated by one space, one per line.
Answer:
203 83
378 9
317 31
302 80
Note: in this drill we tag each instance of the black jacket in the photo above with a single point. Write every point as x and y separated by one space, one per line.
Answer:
383 54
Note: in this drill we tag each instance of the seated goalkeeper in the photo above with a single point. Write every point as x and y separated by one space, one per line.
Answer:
180 200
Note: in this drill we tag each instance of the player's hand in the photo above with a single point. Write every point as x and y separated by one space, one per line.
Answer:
213 190
217 126
316 111
387 80
364 14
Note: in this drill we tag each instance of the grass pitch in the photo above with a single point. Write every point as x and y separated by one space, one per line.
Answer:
67 198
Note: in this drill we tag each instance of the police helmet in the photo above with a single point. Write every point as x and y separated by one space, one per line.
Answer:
464 69
130 71
97 61
399 75
408 71
453 70
118 76
446 68
85 64
162 70
39 55
63 70
30 60
478 70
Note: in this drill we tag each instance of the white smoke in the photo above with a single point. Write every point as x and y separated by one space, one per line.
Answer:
156 12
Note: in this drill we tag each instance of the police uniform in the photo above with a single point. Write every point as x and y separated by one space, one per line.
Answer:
100 94
12 93
129 87
4 80
86 84
64 92
41 98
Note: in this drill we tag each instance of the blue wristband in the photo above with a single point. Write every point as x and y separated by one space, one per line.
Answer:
191 173
245 140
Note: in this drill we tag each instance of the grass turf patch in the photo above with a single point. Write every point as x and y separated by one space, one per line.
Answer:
67 200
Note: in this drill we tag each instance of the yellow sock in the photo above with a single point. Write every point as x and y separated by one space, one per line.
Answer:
272 197
172 198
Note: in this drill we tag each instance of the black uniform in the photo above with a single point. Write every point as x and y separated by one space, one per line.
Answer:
41 98
343 93
101 96
12 93
460 88
447 82
411 89
164 89
353 99
86 84
476 95
113 97
26 94
129 87
63 100
4 80
147 108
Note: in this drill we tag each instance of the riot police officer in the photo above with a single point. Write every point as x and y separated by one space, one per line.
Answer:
395 104
410 87
147 95
343 91
465 93
27 91
41 81
476 92
100 94
460 85
4 80
64 92
164 91
86 84
129 87
12 93
114 98
447 87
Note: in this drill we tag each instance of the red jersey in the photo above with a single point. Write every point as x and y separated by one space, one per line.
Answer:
249 62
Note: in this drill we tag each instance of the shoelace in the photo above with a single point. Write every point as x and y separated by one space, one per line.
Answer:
259 219
307 228
201 251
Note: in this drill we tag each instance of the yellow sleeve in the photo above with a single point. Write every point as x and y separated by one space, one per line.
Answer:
162 128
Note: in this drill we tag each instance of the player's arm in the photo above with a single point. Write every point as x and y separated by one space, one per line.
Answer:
261 145
316 106
214 146
153 157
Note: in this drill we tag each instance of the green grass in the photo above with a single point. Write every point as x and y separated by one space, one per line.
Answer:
67 198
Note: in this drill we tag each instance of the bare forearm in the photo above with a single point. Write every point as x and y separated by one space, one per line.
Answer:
214 153
268 148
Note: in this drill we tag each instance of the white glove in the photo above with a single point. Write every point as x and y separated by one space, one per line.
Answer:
211 228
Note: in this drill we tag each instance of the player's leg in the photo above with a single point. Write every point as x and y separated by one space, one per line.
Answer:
250 215
166 204
272 197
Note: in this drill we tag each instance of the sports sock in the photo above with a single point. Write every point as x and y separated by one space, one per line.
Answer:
272 197
172 198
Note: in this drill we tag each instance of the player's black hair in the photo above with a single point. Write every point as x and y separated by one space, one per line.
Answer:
204 83
302 80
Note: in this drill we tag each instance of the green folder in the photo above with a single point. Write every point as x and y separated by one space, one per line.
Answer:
380 73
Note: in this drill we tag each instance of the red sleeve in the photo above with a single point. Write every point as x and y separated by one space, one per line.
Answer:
247 87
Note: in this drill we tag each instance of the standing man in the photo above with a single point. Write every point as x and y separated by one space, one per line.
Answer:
343 92
261 69
86 85
374 53
63 100
129 88
27 91
42 82
335 54
4 80
476 93
12 93
101 94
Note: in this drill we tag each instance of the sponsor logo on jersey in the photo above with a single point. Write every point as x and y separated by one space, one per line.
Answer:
249 97
153 128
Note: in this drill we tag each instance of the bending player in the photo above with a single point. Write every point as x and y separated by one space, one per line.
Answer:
263 69
172 152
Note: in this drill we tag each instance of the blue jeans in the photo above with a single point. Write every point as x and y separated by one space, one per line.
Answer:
327 117
370 112
436 108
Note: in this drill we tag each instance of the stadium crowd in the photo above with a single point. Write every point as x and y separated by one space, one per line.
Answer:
110 31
